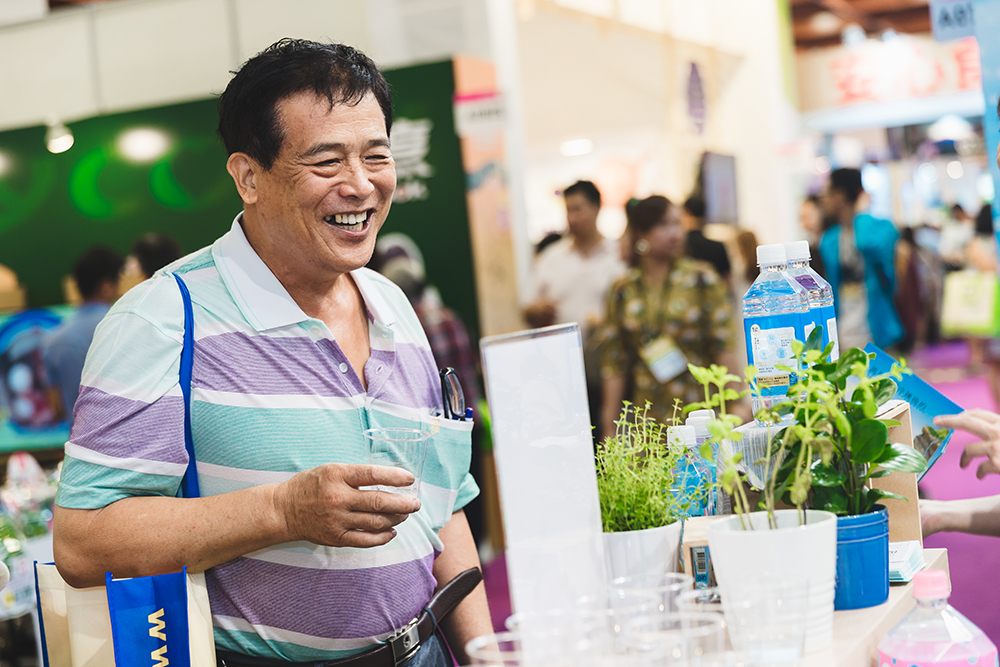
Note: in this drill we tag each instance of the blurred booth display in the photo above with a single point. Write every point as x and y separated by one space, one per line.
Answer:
904 67
718 186
27 417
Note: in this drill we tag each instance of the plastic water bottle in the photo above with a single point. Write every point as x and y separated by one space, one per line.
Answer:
699 420
775 311
692 472
934 633
821 310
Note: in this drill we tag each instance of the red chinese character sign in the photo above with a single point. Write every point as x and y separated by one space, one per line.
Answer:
898 69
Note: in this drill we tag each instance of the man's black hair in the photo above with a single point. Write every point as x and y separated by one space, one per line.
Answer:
95 267
154 251
847 181
587 189
248 109
695 206
984 221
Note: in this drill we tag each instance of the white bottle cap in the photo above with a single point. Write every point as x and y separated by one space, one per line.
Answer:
684 434
700 425
796 251
773 253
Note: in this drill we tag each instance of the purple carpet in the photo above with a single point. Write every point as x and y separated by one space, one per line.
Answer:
974 559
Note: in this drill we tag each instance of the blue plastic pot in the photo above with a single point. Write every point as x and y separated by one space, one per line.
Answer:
862 560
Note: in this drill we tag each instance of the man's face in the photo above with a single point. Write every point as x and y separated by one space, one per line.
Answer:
581 215
328 192
833 201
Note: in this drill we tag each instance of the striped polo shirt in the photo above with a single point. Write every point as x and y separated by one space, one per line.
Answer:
272 395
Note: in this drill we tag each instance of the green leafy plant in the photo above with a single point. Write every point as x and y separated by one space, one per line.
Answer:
636 469
836 444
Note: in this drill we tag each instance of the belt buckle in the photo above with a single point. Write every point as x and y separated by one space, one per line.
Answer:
405 643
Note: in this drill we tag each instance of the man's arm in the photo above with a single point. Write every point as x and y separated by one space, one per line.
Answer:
145 535
471 618
978 516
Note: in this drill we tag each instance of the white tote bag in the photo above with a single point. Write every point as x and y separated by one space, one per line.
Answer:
76 622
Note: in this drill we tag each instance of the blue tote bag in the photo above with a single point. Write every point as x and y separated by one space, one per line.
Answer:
158 620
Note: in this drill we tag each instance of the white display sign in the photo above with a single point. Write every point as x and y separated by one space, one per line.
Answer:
479 115
544 454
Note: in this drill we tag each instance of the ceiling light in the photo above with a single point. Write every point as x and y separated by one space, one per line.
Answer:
143 144
955 169
853 34
822 164
928 172
575 147
950 127
58 137
826 22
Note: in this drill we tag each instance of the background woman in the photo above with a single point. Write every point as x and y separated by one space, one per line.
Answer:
668 310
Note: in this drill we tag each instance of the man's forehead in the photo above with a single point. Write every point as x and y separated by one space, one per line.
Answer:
309 105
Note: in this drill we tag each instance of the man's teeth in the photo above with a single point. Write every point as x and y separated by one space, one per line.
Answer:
351 221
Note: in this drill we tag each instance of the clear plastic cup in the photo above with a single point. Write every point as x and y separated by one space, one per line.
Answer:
666 587
686 637
766 618
404 448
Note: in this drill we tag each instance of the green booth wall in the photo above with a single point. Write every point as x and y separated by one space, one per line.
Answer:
53 207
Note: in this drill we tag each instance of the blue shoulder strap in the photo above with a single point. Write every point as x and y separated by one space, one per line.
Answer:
189 485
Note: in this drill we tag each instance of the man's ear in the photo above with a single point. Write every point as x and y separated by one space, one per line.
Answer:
245 171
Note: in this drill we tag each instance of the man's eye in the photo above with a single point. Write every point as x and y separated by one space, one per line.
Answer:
328 163
378 157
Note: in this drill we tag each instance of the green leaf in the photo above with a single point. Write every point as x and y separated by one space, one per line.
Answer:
902 458
868 440
825 475
845 364
882 472
830 499
875 495
883 391
815 339
891 423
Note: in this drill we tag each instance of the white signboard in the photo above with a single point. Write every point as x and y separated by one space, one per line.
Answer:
952 19
545 467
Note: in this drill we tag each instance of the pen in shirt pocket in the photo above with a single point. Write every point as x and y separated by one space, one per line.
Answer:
452 396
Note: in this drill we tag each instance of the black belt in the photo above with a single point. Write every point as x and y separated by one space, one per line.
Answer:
398 648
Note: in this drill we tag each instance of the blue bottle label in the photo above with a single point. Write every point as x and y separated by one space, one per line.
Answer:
825 316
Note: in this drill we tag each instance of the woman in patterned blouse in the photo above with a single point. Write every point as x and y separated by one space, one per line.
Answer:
667 311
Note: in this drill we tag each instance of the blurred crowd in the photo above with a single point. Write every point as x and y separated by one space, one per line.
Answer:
669 291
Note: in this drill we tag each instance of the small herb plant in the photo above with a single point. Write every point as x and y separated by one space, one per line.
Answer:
636 470
836 445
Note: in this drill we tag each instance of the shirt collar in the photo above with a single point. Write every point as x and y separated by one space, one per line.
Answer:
261 297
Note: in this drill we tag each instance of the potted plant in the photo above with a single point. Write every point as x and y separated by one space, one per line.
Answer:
794 546
835 446
640 514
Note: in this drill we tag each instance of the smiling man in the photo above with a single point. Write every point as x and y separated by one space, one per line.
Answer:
297 350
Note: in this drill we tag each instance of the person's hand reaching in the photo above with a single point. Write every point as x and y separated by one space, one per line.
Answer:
982 424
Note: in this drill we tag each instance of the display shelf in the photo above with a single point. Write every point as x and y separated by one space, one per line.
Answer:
856 633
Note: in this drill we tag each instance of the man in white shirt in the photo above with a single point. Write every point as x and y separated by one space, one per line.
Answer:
572 277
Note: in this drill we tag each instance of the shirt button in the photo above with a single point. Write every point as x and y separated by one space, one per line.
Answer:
380 369
343 367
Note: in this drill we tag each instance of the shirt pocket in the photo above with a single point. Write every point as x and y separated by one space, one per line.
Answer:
449 455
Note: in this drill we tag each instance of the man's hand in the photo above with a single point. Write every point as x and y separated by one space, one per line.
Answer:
541 313
325 505
983 424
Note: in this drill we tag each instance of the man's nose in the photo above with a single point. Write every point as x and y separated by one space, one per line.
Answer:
356 181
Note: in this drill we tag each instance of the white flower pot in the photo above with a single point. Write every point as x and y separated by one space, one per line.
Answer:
792 552
650 551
